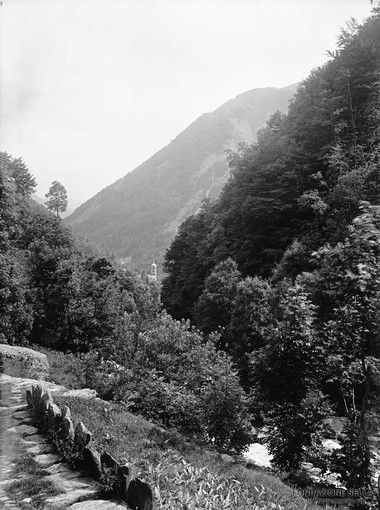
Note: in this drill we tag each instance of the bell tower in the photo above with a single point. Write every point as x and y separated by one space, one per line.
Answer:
153 272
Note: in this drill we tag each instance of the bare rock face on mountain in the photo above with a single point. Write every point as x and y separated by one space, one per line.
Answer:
23 362
137 216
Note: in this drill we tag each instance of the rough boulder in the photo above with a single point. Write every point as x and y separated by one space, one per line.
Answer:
23 362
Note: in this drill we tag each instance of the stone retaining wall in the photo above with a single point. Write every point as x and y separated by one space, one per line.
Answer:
23 362
77 443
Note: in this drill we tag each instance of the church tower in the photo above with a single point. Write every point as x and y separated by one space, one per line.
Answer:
153 272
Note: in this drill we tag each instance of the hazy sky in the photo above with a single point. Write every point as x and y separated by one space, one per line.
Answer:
90 89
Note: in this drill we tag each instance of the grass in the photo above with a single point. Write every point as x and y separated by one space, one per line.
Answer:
182 474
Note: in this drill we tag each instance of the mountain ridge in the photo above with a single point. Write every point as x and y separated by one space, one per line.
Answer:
137 216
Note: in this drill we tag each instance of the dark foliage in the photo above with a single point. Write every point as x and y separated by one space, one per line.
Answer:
304 179
299 216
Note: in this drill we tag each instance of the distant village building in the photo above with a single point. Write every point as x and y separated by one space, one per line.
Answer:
152 277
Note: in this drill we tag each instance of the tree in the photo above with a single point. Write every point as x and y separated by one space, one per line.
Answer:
350 287
188 262
285 375
250 317
56 198
304 178
212 311
16 315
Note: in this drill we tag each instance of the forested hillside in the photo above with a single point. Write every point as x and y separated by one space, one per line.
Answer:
272 294
302 183
286 263
57 292
137 216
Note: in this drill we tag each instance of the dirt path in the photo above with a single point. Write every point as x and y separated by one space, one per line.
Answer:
31 476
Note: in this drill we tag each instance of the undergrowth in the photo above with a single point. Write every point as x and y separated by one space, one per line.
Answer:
183 475
66 369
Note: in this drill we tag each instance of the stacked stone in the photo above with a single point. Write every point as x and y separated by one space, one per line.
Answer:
58 424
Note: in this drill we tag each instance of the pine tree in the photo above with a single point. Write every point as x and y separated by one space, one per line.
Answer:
56 198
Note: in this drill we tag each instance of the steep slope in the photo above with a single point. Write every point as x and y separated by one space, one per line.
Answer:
137 216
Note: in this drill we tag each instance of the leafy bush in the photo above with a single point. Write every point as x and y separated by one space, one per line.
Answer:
167 403
67 369
223 412
173 375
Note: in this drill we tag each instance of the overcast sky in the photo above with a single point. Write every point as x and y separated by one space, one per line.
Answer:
90 89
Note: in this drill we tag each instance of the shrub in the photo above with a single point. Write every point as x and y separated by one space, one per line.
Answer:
67 369
175 376
172 375
167 403
223 412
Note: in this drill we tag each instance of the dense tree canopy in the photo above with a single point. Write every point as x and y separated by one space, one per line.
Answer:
304 179
285 263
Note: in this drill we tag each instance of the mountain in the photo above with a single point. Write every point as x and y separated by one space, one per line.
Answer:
137 216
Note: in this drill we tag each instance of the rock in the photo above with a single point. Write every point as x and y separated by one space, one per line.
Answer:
70 481
334 426
68 499
98 505
109 462
6 411
66 413
67 428
27 430
23 362
40 448
10 410
83 393
63 471
21 415
331 445
54 417
125 475
82 436
46 401
46 459
139 495
91 461
36 397
37 438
